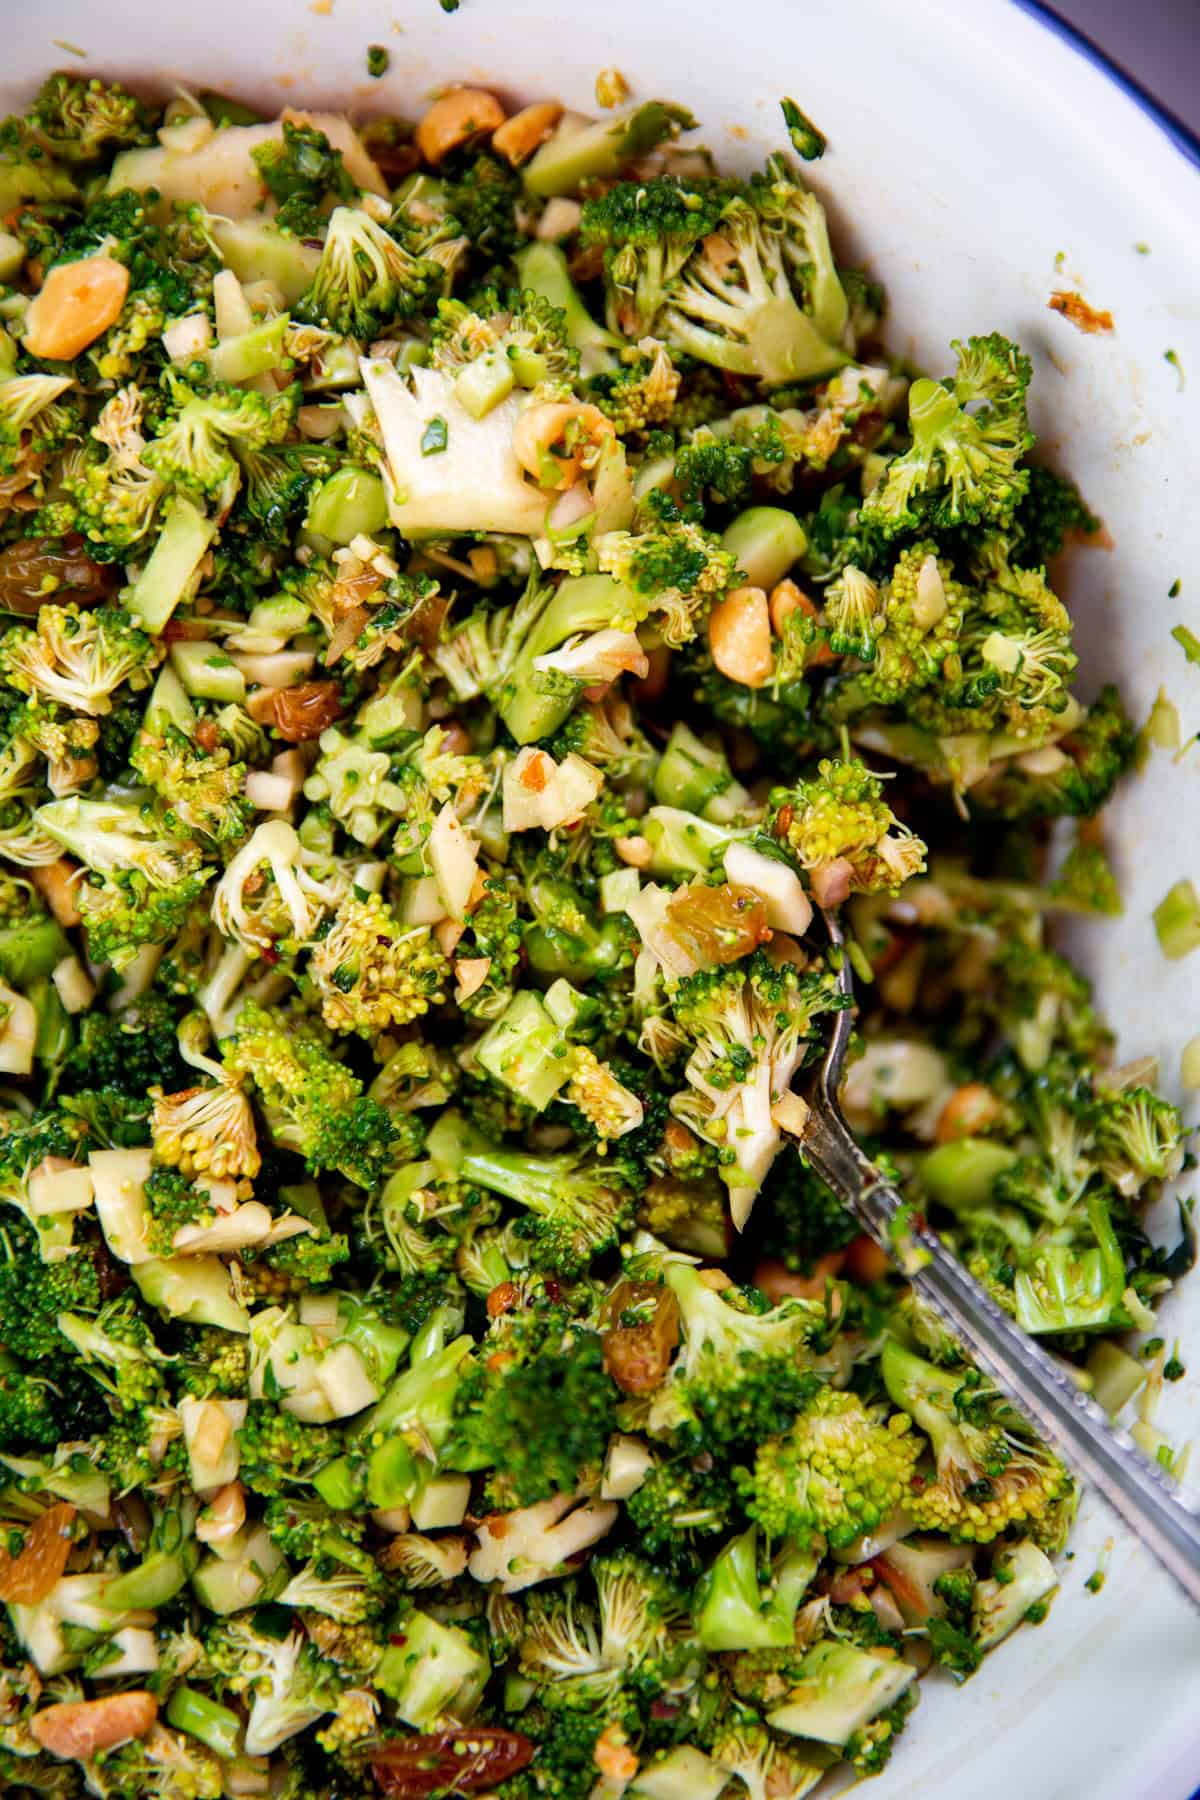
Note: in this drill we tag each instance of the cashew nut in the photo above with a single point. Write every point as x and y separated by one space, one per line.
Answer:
519 137
556 442
739 637
454 119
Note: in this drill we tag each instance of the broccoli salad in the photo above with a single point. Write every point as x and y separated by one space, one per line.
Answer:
472 589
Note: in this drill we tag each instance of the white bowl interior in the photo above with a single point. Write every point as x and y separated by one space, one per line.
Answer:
976 162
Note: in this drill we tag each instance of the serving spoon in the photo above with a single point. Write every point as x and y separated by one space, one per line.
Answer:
1140 1492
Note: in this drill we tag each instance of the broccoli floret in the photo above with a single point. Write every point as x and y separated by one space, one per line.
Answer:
580 1656
367 274
172 1764
991 1472
34 1293
312 1103
196 446
576 1207
680 1504
302 171
371 973
642 396
964 465
840 1469
277 483
202 791
172 1201
843 833
537 1408
1085 882
750 1025
1052 510
277 1452
482 197
24 401
143 881
647 231
680 571
769 1767
1076 779
117 1351
77 657
113 494
520 344
80 118
741 1374
306 1530
733 303
801 1219
1139 1136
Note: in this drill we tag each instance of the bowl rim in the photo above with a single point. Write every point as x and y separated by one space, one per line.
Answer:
1182 137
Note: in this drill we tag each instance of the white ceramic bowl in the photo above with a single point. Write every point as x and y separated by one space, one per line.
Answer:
977 159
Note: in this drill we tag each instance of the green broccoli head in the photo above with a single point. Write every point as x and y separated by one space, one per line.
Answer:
313 1103
843 833
647 230
81 118
840 1469
989 1472
969 436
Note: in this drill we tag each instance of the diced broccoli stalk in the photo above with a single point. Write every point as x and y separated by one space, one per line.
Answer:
352 503
258 350
172 566
1177 921
257 250
1070 1287
159 1577
413 1418
526 1051
249 1567
216 1726
1115 1375
683 1773
837 1690
960 1175
1022 1577
737 1608
766 542
696 777
587 150
195 1289
31 951
431 1671
534 703
683 844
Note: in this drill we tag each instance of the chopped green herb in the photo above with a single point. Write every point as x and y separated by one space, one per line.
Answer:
378 60
1188 642
807 141
435 437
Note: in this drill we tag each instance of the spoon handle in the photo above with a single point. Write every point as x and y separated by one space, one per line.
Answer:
1141 1493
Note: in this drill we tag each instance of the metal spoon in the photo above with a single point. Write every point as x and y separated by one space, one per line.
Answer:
1140 1492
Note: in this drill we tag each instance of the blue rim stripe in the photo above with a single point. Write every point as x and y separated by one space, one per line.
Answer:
1184 139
